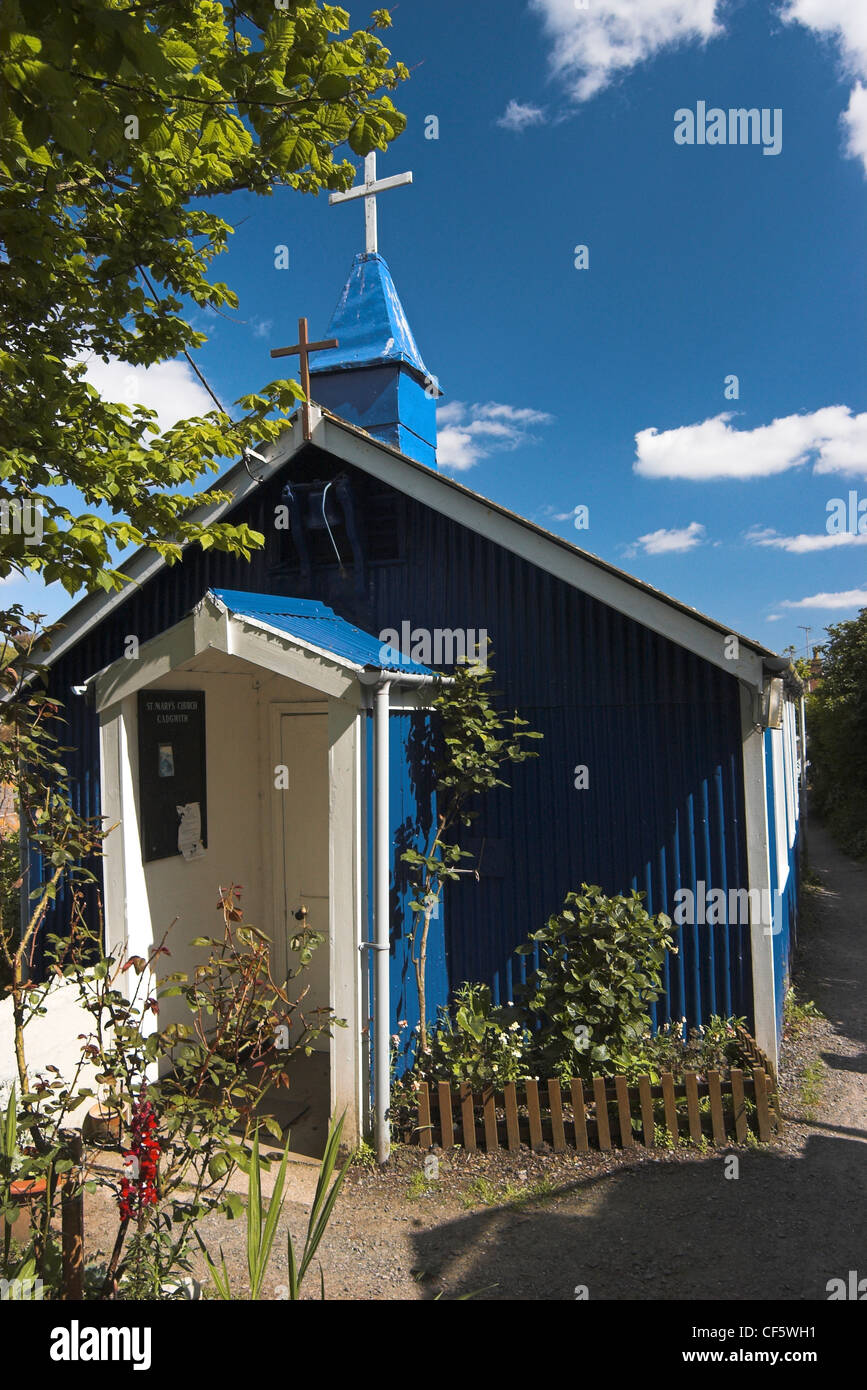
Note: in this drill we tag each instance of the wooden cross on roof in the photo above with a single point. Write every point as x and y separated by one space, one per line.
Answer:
304 348
368 191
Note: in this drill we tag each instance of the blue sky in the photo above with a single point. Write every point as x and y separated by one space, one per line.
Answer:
556 130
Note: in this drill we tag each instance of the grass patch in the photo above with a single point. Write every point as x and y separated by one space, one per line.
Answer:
481 1192
812 1087
796 1015
364 1156
419 1186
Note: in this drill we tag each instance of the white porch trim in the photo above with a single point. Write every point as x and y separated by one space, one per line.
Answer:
759 851
336 693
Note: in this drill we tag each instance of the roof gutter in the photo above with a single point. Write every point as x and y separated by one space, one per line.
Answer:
782 666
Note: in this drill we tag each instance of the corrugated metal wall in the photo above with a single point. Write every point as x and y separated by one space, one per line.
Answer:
411 814
657 728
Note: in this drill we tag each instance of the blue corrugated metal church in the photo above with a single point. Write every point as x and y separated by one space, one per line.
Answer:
264 723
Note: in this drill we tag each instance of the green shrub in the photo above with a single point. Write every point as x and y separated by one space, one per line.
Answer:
600 966
837 735
714 1046
478 1041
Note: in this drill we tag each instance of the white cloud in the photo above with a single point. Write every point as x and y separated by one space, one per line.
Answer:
848 598
854 120
672 541
456 450
467 433
518 115
803 544
844 448
834 437
593 41
844 21
516 415
262 328
170 388
592 44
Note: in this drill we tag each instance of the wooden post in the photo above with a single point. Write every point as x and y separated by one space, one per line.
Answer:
716 1107
670 1104
602 1128
425 1128
579 1119
738 1107
489 1115
72 1225
513 1131
692 1110
534 1112
624 1115
763 1115
646 1098
558 1133
444 1096
468 1119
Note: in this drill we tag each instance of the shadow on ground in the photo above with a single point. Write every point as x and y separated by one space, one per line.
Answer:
663 1230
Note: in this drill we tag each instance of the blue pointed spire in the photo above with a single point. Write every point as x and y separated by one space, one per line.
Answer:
369 322
375 377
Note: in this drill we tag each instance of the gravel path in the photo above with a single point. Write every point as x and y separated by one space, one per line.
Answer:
661 1226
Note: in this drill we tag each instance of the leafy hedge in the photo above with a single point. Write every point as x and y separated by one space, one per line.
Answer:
583 1010
837 735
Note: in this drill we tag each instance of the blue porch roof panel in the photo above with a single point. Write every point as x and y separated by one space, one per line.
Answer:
316 625
369 323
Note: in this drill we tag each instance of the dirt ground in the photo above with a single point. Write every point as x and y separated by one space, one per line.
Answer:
625 1226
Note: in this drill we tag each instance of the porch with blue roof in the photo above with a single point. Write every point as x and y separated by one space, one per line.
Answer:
317 626
313 778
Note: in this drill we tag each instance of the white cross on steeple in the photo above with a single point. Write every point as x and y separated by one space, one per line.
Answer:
368 191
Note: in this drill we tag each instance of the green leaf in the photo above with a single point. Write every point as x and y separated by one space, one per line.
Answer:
364 136
233 1205
71 133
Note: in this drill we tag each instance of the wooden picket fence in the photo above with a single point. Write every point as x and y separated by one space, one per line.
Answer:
599 1116
751 1050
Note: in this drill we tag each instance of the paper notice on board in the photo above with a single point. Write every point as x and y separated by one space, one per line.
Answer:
190 831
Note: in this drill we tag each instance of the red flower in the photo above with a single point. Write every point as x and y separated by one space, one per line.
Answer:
140 1191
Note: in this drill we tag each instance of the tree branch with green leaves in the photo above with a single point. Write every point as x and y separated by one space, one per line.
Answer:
120 126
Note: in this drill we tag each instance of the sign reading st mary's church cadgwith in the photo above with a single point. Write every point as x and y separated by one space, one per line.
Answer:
171 752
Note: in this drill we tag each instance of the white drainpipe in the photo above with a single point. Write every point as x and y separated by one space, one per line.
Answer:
382 852
381 880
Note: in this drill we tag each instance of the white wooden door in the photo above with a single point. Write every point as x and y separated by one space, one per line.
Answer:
305 801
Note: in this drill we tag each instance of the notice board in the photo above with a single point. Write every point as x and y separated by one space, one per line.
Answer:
172 785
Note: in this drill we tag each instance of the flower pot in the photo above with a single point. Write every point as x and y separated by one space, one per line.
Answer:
102 1128
28 1194
26 1190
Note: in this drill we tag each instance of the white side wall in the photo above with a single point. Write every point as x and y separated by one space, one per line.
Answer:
51 1040
177 895
781 848
759 851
